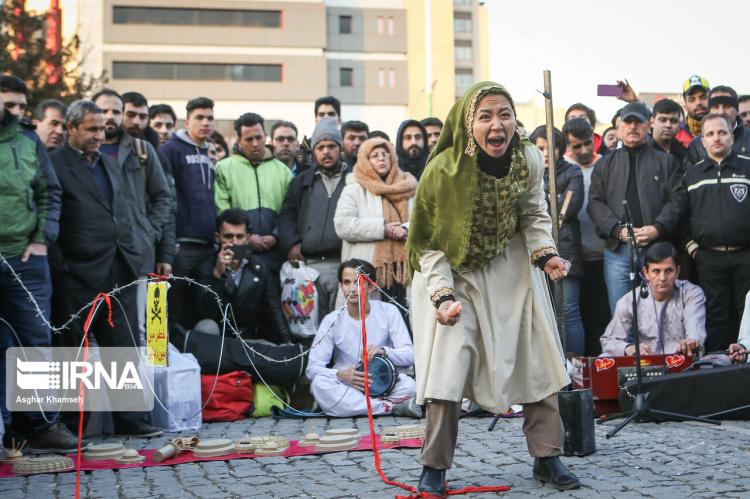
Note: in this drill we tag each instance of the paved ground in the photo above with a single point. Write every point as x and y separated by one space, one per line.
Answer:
646 460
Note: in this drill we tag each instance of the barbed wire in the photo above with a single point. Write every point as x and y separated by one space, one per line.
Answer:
118 289
224 309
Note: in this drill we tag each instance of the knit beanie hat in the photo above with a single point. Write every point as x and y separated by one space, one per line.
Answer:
326 129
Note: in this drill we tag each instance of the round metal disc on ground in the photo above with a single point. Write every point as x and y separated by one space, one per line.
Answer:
130 456
345 445
103 452
353 432
270 451
336 442
336 439
215 447
309 439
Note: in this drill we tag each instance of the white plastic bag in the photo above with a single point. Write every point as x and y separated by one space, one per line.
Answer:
299 299
178 386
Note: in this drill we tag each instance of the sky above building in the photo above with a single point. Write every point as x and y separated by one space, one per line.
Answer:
655 44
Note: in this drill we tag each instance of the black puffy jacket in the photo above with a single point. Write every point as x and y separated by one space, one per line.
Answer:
568 177
660 192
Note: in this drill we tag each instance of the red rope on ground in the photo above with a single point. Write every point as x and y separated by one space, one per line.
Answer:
81 388
376 454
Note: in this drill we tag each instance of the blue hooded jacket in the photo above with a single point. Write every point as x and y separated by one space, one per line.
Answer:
193 173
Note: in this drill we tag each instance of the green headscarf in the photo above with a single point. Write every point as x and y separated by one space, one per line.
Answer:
442 214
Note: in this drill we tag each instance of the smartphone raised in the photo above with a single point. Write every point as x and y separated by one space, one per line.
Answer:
241 251
609 90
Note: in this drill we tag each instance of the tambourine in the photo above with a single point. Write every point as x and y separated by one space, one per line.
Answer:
382 375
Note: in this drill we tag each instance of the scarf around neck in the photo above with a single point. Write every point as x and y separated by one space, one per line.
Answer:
443 207
395 190
694 126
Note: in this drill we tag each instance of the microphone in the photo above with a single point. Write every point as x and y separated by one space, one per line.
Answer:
626 210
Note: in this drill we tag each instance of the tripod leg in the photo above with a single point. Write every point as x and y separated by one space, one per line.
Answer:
686 417
494 422
728 411
620 426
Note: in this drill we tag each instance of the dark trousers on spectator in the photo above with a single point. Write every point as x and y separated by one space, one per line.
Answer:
594 305
725 278
182 306
30 330
71 294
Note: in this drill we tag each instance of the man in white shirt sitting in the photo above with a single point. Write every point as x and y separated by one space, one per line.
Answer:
339 390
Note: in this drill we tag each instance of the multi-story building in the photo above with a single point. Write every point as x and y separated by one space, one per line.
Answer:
448 52
276 57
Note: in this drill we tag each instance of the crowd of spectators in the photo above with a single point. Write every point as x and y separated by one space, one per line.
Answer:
104 191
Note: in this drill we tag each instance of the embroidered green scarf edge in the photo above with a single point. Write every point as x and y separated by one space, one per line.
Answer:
443 207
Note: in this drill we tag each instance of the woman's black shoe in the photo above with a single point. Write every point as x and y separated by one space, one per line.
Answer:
551 470
432 481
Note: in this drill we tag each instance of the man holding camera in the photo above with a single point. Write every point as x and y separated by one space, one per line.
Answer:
236 277
239 279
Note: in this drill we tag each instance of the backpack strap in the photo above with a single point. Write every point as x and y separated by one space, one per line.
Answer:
139 146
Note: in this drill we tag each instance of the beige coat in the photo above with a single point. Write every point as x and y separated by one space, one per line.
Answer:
359 221
505 349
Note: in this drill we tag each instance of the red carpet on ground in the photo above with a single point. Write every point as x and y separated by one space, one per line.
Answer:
364 444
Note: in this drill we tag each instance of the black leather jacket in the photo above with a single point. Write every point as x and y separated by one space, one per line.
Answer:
568 177
660 192
256 302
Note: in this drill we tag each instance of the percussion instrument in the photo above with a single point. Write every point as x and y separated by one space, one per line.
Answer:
382 375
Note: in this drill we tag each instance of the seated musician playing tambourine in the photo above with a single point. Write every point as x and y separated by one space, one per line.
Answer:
672 319
339 390
738 351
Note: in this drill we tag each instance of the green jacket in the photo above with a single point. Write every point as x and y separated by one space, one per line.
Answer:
29 191
258 189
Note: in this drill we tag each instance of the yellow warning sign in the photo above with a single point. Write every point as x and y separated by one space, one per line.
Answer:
156 323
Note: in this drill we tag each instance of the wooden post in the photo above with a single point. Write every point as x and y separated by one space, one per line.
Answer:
551 160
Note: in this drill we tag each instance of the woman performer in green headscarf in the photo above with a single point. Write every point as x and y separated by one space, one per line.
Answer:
479 239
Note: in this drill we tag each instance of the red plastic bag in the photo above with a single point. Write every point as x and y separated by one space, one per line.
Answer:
232 398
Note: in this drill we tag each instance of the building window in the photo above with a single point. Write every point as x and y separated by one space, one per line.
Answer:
392 78
381 77
462 22
459 3
464 79
346 77
345 25
159 16
391 26
463 50
381 25
196 71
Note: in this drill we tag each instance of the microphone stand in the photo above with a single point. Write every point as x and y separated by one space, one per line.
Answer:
641 406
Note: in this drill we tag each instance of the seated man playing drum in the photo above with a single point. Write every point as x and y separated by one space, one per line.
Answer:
671 316
339 390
